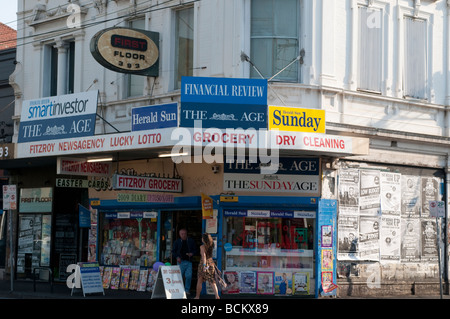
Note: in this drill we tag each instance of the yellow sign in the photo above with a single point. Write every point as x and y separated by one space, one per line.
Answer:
207 207
296 119
95 203
229 199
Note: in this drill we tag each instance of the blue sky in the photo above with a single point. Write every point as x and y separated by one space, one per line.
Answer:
8 13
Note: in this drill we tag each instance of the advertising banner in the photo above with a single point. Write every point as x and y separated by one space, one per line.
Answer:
296 119
58 117
294 175
144 183
154 116
223 102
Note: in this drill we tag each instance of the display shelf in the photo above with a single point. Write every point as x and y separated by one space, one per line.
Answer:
270 252
275 260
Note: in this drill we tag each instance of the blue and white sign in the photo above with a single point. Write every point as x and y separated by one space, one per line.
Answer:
223 116
58 117
286 166
224 90
223 102
294 175
154 116
268 213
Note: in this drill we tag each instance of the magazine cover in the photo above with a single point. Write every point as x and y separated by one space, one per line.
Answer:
107 277
125 278
265 282
134 279
283 283
151 280
301 283
247 282
115 278
143 277
232 280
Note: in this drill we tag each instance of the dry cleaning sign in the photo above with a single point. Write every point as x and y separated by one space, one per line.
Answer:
127 50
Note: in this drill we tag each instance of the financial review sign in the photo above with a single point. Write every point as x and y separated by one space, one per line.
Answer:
58 117
223 102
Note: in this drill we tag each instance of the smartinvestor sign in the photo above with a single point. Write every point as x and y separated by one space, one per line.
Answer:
223 102
58 117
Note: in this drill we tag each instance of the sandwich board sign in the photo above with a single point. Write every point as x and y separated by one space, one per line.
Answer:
88 274
169 283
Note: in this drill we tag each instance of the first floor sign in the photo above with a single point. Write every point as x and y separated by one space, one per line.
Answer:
169 283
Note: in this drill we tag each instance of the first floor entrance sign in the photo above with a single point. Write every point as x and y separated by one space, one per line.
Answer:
169 283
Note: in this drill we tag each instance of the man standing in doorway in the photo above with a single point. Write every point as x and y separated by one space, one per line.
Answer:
183 250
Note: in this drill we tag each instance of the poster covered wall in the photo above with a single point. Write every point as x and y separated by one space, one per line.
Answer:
384 216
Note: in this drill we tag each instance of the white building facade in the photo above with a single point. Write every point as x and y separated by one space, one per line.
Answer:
379 70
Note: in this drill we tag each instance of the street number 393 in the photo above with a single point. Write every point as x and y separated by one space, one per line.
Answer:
4 151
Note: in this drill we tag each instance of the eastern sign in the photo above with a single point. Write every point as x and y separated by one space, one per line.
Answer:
127 50
58 117
296 119
154 116
223 102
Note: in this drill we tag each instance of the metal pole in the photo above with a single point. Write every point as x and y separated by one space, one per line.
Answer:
439 253
11 254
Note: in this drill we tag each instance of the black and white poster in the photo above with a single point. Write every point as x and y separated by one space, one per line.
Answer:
411 196
390 193
369 238
430 191
390 238
349 187
410 240
348 229
429 240
369 200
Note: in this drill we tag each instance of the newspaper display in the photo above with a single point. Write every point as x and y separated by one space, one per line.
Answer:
385 216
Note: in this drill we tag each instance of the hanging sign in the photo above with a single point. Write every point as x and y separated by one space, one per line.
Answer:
127 50
169 283
207 207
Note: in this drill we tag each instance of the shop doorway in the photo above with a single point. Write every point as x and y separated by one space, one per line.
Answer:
172 222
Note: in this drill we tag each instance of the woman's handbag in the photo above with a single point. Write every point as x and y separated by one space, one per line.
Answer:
221 284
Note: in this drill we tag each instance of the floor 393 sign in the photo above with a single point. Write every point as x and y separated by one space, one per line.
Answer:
127 50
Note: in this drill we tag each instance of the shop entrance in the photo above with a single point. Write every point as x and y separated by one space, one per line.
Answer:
172 222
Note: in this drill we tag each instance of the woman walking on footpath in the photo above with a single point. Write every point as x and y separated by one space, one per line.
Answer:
206 268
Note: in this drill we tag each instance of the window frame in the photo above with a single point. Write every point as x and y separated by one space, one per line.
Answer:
247 46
